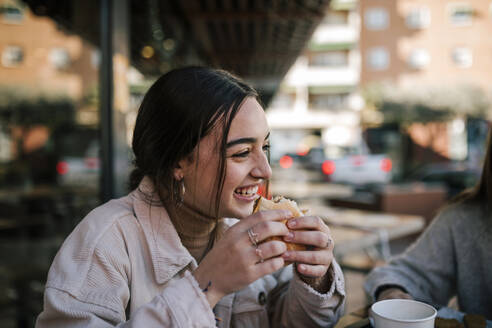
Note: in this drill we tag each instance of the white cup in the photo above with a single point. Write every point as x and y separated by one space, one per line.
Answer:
402 313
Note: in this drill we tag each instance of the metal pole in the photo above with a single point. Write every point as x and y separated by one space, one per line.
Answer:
106 102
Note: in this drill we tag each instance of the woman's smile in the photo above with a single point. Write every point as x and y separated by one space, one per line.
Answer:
247 193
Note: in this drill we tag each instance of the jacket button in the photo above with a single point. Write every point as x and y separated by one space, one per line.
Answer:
262 298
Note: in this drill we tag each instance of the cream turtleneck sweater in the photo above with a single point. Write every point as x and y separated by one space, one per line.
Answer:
193 227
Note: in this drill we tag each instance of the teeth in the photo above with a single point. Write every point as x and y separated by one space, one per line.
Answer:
247 191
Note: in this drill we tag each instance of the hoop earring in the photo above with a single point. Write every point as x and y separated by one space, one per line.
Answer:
179 192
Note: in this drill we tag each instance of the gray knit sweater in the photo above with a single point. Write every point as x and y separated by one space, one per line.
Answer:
452 257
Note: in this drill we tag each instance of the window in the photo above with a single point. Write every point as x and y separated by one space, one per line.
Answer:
331 59
11 13
378 59
328 101
461 14
376 19
95 58
462 57
419 58
12 56
336 18
5 146
60 58
418 18
283 100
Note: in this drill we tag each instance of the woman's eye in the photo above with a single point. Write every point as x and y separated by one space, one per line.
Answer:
266 148
241 154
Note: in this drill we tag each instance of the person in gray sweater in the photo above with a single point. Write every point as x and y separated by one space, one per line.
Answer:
453 257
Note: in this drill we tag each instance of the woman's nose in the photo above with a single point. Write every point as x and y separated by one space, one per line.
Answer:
262 168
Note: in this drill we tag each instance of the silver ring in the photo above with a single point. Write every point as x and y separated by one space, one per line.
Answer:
253 237
259 253
328 243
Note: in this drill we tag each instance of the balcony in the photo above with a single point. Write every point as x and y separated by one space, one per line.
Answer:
323 76
335 34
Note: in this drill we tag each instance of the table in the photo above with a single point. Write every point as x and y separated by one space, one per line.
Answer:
309 190
358 316
356 231
400 198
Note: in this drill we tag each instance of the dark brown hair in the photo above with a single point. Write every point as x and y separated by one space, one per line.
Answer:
179 109
482 191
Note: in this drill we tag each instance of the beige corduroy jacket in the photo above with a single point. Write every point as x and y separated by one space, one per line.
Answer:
124 266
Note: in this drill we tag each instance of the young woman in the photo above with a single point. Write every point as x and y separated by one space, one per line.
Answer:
453 257
166 256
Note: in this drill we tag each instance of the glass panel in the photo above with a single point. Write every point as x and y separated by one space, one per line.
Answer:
12 13
378 58
462 57
328 101
376 19
12 56
461 14
49 149
330 59
336 18
418 18
419 58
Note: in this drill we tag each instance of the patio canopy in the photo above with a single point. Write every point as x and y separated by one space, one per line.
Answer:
256 39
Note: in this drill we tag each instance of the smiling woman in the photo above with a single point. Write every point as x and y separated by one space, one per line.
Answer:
200 142
246 162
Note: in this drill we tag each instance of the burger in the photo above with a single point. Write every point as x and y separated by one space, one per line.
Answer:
281 203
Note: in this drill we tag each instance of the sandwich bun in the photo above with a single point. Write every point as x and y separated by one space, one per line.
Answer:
281 203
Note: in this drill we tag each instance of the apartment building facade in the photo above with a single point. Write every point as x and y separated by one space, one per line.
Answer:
38 59
49 70
421 42
37 54
318 103
430 49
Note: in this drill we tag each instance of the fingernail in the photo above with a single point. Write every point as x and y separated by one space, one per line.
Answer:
292 223
289 236
287 214
286 255
301 267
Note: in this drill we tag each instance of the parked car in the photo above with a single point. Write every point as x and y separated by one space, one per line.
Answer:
351 165
313 159
78 157
358 169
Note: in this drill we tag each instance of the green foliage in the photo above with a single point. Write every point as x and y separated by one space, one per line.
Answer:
20 106
427 104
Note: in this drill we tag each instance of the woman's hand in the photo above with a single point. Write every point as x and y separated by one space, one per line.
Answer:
240 257
393 292
313 232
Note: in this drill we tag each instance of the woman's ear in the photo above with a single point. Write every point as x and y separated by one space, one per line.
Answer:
179 169
178 174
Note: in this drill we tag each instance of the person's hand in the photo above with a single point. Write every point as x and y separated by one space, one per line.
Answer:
313 232
393 292
240 257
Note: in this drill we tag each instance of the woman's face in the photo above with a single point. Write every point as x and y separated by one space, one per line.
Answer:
246 165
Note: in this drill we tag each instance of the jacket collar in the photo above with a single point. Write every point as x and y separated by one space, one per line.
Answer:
168 254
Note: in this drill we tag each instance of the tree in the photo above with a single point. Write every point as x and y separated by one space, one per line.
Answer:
422 105
405 106
20 111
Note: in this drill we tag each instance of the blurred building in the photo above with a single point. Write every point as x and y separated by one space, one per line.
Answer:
318 102
48 83
435 53
424 42
39 58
